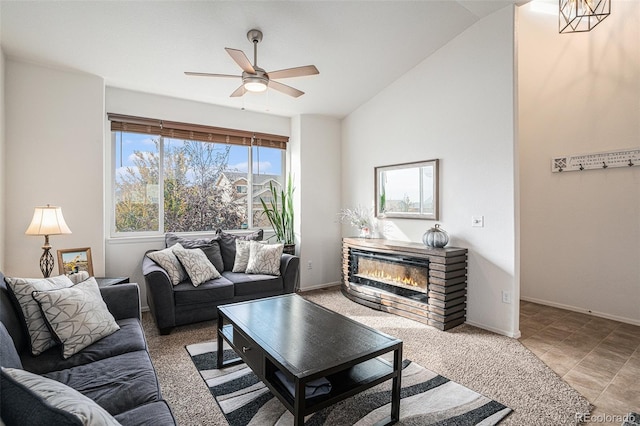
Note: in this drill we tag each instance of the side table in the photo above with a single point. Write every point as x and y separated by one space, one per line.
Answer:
107 281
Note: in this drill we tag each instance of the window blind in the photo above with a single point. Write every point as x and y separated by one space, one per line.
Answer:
197 132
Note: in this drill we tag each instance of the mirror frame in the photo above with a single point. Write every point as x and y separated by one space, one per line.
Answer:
380 174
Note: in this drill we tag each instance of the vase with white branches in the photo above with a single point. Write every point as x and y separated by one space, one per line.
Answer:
359 218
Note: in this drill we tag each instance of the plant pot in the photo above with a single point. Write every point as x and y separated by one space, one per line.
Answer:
289 249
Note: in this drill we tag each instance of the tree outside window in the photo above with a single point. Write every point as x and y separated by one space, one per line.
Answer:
195 182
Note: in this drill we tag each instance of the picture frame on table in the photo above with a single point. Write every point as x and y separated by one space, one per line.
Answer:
74 260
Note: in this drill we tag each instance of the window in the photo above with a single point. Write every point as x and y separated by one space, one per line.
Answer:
164 184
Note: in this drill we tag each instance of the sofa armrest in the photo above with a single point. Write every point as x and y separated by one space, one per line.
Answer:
123 300
159 293
290 271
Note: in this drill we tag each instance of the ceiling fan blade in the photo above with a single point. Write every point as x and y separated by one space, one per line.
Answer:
206 74
287 90
295 72
238 92
241 59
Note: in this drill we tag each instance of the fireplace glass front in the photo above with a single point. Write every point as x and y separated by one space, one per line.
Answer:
404 276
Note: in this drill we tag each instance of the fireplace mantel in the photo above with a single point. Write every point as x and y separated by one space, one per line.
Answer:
445 305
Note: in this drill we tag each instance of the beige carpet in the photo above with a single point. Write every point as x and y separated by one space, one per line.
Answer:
495 366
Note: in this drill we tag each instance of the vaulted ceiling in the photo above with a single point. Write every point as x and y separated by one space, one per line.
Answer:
360 47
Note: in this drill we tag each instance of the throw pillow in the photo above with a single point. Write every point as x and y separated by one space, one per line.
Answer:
39 400
264 258
40 338
228 245
76 315
209 246
242 256
197 265
170 263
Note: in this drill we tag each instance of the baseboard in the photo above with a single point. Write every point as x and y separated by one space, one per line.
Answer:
511 334
319 286
582 310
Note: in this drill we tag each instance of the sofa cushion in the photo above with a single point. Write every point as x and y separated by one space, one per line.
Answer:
243 251
40 338
76 315
264 258
129 338
153 413
209 246
209 291
198 267
170 263
117 384
228 245
248 284
8 353
37 400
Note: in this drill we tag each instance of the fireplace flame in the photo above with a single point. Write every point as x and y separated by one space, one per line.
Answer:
382 275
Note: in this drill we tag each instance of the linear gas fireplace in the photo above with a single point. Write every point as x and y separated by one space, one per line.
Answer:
425 284
401 275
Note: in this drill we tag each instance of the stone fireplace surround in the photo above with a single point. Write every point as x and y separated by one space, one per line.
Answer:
438 298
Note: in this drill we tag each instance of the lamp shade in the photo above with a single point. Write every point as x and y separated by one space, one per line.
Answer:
47 221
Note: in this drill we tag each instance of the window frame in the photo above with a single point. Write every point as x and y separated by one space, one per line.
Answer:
111 181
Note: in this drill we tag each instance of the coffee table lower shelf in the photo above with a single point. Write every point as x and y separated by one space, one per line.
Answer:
346 380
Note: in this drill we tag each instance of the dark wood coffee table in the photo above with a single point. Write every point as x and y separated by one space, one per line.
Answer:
305 342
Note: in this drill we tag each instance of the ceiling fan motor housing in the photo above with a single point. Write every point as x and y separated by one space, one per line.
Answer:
257 82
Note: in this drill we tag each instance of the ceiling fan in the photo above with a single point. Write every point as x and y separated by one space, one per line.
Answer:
256 79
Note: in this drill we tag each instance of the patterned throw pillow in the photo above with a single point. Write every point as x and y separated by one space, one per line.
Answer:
227 243
40 338
170 263
199 268
264 258
209 246
56 402
242 256
76 315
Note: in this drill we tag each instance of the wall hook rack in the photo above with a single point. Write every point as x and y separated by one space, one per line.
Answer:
597 160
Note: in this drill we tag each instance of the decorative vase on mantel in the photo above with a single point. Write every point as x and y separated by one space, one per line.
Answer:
365 232
435 237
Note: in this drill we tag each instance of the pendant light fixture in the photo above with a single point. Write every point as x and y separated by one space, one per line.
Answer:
582 15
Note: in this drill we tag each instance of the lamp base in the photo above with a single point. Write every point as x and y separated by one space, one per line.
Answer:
46 262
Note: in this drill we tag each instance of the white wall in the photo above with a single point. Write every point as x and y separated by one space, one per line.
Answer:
3 204
457 106
54 135
580 93
316 167
124 255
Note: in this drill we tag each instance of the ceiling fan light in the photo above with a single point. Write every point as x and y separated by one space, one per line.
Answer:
255 84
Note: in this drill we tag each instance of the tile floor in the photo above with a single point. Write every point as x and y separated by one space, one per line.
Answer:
600 358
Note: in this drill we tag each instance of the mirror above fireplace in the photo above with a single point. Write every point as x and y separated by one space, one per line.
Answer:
408 190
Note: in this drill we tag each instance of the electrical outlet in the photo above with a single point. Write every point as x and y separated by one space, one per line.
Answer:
506 297
309 265
477 221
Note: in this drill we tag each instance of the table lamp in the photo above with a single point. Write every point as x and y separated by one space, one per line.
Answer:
47 221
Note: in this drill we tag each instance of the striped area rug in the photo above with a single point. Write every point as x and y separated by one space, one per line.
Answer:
427 398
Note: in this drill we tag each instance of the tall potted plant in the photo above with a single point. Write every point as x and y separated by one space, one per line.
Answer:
279 211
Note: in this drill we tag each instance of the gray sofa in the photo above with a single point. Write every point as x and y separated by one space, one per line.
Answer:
115 372
185 304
